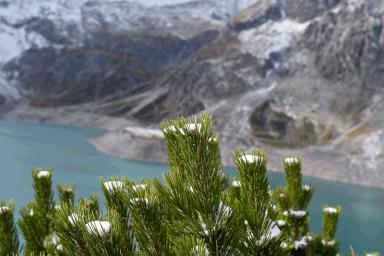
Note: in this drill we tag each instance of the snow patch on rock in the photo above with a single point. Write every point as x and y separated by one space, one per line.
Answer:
270 37
372 145
144 132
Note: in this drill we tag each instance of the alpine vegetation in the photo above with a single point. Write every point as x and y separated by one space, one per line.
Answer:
199 210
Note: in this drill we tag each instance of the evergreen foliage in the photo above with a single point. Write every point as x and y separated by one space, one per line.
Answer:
200 210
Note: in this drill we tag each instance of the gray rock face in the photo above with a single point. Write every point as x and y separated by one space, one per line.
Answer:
303 11
349 48
73 76
296 77
2 99
83 27
256 15
46 28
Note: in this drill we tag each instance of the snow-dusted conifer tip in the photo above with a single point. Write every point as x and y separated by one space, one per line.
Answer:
330 210
291 160
4 209
68 190
189 127
214 139
110 185
332 242
172 128
251 158
43 174
297 214
192 127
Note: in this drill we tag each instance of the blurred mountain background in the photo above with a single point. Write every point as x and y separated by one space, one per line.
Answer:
294 76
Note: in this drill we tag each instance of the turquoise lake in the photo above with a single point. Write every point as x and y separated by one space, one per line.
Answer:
24 146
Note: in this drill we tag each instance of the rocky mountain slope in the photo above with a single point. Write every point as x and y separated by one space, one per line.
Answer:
296 77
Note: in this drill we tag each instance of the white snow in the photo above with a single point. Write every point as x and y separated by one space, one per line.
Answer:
271 232
272 36
332 242
8 46
73 218
118 15
302 242
43 174
226 209
335 10
373 145
212 139
99 226
144 132
111 185
55 238
192 127
297 214
330 210
6 89
353 4
4 209
251 158
291 160
228 5
236 183
189 127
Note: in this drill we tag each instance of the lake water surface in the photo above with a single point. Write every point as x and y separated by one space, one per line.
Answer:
24 146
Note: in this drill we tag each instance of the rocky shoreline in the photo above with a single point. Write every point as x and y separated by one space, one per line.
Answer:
323 162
